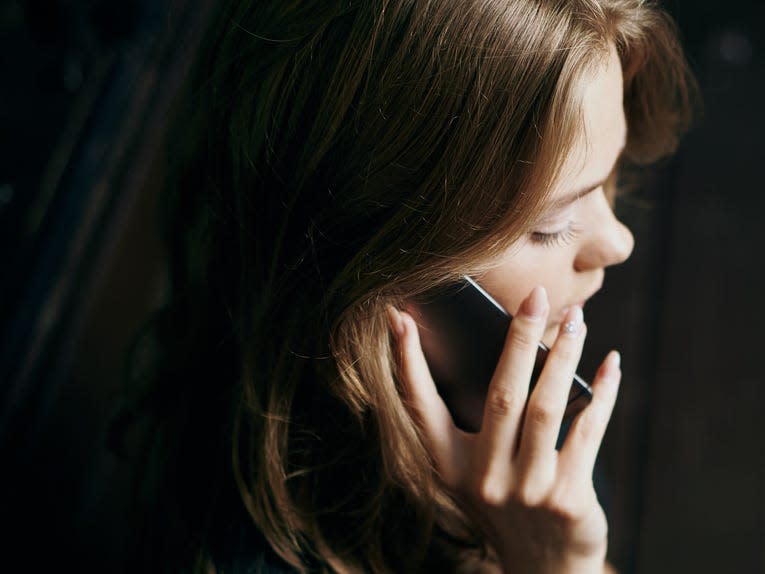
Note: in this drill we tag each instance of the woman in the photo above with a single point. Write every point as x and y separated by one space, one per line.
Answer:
331 162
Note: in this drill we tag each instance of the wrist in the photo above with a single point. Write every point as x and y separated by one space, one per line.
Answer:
593 562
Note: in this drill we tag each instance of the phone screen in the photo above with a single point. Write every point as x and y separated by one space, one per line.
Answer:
462 331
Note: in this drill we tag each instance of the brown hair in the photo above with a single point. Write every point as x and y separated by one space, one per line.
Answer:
330 158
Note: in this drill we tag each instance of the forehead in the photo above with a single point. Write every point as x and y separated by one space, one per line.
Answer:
604 129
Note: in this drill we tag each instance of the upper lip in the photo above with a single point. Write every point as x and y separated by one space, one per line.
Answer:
597 288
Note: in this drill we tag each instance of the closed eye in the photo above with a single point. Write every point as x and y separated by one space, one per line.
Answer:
552 239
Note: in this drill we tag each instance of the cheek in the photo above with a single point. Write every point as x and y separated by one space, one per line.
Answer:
513 298
512 281
508 285
510 290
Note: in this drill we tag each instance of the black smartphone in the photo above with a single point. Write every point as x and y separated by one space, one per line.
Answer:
462 331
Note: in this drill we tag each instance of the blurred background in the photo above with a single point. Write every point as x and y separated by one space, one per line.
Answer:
84 91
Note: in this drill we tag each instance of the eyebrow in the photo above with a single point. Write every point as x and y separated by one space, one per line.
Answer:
571 197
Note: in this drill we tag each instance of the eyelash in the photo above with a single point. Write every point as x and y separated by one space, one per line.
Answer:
562 237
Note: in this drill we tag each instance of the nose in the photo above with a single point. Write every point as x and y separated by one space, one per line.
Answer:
610 242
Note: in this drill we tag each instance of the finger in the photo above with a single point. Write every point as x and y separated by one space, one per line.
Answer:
423 399
547 404
577 457
509 387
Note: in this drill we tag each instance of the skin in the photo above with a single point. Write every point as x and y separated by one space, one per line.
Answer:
571 267
537 505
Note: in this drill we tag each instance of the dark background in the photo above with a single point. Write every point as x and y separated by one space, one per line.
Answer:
84 91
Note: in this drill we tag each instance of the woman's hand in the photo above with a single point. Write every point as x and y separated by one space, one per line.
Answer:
536 505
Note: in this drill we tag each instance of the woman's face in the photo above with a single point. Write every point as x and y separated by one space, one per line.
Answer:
577 235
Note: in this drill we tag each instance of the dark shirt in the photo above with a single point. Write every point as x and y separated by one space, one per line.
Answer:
248 552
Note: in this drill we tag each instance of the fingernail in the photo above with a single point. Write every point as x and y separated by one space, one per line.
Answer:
572 323
611 365
396 321
535 305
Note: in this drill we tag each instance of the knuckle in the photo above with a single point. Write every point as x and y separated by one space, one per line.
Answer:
560 506
527 495
589 426
501 403
521 338
566 353
540 414
491 493
563 513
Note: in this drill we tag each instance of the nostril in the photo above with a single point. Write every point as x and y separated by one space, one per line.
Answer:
612 246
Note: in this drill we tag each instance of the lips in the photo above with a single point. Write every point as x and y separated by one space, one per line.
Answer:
597 288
